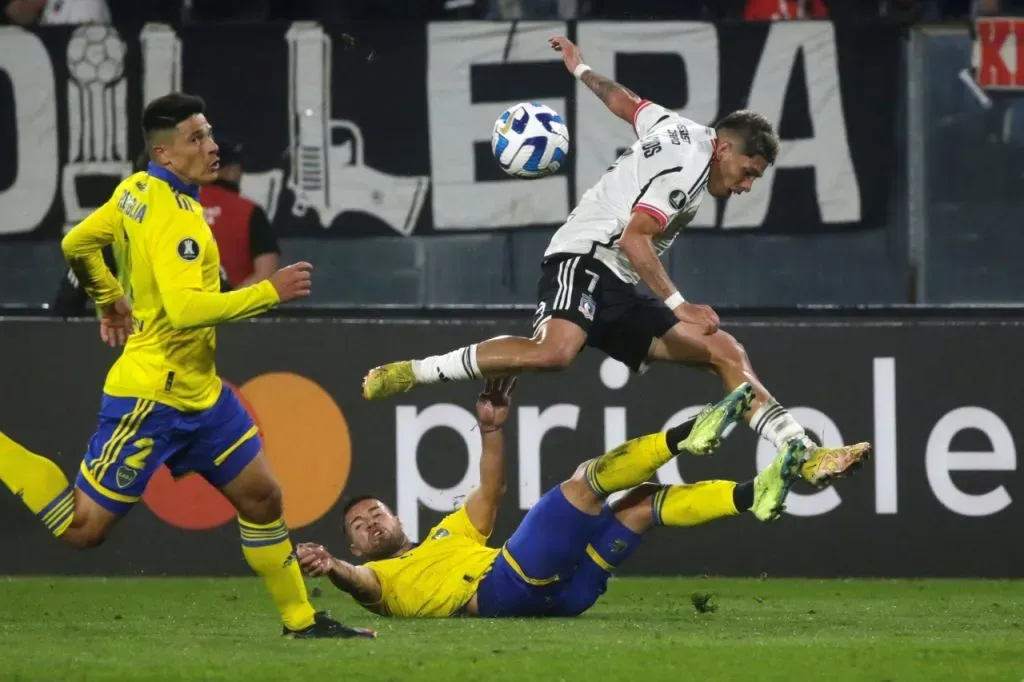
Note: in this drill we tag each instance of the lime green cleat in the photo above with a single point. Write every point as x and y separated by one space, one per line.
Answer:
772 485
387 380
713 420
825 465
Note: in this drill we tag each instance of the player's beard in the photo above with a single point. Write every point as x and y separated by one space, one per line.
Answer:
385 545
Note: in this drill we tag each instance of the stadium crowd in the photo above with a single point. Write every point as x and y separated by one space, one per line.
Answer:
29 12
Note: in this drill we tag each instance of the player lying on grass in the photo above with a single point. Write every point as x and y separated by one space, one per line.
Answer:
612 240
558 561
163 402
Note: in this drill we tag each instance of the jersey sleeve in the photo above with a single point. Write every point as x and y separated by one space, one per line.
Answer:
459 523
177 257
83 250
667 184
649 117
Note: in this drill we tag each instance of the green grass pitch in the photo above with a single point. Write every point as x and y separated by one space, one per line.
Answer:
60 629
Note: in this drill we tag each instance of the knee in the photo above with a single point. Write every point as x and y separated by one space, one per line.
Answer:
578 491
728 352
263 502
635 509
84 535
554 355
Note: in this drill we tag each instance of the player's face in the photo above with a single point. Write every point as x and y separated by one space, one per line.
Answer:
374 531
192 154
733 172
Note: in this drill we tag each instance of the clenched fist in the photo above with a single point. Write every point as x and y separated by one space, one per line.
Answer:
294 281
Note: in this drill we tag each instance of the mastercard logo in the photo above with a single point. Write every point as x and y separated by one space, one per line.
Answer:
305 437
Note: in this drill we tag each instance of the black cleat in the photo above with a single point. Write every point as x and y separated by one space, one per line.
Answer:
324 627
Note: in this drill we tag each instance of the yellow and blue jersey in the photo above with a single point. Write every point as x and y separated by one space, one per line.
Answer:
439 576
163 402
172 267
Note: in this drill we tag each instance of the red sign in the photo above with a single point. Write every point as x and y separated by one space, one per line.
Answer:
999 51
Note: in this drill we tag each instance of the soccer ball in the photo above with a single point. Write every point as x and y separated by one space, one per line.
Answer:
530 140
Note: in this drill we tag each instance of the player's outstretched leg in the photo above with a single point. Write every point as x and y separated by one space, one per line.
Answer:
552 348
66 511
769 419
39 483
635 461
628 519
268 550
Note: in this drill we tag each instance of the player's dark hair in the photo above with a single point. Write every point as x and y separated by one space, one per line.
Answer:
164 113
755 132
350 502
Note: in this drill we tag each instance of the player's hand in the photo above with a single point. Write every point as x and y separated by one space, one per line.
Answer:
314 559
492 406
116 323
294 281
571 54
702 316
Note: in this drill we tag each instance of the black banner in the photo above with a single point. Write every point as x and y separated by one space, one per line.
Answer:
385 129
942 496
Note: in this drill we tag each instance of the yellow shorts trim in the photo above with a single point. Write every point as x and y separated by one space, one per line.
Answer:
118 497
537 582
237 444
592 553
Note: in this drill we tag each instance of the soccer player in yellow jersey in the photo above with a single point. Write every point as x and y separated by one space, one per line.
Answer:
558 561
163 402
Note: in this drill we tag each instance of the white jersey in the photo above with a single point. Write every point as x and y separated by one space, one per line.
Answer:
75 12
664 174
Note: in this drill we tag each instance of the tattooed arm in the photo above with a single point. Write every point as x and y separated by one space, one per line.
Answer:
619 99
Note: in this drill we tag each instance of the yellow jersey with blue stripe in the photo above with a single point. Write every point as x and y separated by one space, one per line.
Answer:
437 577
173 275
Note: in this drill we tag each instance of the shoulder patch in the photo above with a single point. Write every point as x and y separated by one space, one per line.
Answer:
188 249
442 533
677 198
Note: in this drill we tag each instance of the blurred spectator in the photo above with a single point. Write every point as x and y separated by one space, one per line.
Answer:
50 12
995 7
778 10
247 243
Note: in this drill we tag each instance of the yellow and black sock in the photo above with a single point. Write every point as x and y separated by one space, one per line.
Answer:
635 461
692 504
39 483
268 549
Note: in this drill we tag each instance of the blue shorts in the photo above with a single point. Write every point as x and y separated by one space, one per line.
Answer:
136 436
557 563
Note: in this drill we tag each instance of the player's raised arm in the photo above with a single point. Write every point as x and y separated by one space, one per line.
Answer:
83 250
358 581
188 306
619 99
492 408
638 244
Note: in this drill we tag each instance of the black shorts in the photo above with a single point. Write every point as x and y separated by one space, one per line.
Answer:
619 320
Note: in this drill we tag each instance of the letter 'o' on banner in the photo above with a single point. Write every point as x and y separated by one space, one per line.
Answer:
306 439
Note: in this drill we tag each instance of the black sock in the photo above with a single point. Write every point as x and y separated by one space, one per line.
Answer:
743 496
677 434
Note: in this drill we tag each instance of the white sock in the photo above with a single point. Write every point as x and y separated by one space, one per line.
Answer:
777 426
459 365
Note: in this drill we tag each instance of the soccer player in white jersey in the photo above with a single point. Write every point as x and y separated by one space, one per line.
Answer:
611 242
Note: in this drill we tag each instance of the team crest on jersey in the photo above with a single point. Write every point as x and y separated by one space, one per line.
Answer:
442 533
125 476
188 249
677 199
588 307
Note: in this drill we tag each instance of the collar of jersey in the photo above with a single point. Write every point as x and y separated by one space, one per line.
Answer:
173 180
